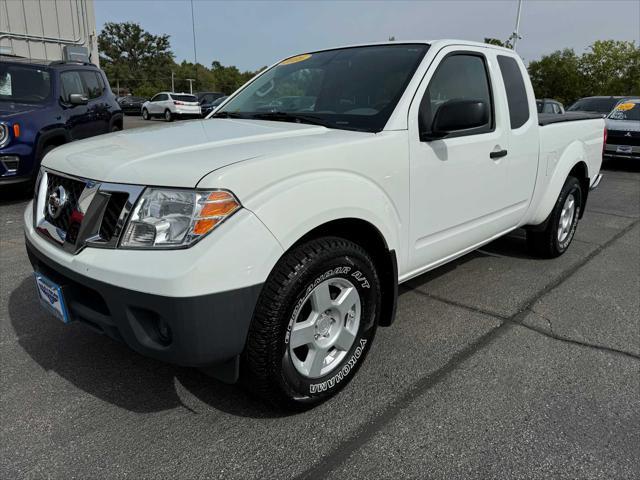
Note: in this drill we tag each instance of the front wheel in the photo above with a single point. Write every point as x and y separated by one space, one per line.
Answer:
561 225
313 325
145 114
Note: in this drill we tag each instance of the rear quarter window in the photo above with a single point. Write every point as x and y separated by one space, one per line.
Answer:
516 91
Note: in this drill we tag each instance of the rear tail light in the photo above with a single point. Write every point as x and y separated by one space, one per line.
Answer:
176 102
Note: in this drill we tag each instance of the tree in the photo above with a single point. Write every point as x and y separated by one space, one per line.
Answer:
135 57
498 42
612 66
229 79
558 76
609 67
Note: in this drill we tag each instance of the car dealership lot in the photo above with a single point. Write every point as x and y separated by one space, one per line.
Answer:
498 365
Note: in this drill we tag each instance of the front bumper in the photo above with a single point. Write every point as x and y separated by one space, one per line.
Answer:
202 331
205 294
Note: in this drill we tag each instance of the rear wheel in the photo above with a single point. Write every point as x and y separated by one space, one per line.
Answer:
168 116
314 323
145 114
561 225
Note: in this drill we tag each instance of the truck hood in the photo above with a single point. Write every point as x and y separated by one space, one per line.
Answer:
179 154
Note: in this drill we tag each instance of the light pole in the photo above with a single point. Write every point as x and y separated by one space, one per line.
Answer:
173 88
515 36
190 80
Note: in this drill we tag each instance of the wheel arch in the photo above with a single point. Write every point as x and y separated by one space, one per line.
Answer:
576 167
57 137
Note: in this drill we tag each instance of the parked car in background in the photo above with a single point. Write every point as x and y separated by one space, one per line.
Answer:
548 105
268 244
210 107
208 97
600 105
45 104
169 105
623 131
131 105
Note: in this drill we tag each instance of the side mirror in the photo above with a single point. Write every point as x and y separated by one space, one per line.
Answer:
78 99
458 115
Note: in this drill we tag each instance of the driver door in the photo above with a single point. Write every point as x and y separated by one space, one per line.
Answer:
457 182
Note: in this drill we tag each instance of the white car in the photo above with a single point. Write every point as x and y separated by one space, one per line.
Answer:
267 245
169 105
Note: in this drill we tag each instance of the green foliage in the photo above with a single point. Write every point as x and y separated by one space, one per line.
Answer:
558 76
498 42
609 67
135 57
142 63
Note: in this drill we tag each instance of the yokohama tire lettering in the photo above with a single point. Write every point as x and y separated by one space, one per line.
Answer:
342 374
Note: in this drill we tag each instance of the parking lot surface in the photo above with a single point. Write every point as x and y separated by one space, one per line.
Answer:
499 365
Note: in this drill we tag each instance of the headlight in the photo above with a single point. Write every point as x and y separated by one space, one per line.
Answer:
4 134
168 218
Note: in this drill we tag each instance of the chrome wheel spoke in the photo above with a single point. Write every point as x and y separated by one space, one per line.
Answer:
303 333
314 362
345 339
346 302
321 298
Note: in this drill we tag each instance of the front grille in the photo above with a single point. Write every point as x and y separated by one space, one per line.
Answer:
111 215
74 189
616 137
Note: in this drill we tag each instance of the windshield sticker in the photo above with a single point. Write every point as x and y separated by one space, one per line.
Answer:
5 85
623 107
296 59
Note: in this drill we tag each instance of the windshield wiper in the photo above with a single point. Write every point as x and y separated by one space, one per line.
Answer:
291 117
227 115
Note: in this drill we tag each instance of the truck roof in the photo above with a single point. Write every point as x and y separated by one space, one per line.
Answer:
437 43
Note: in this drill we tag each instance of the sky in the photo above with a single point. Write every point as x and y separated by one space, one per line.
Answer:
252 34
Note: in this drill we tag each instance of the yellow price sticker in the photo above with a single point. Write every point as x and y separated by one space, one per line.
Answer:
623 107
296 59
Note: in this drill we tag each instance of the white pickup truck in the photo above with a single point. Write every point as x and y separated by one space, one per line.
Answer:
266 243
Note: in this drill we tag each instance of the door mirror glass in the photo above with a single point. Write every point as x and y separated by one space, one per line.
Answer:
458 115
78 99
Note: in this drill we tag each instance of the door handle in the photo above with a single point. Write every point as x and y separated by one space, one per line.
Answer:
498 154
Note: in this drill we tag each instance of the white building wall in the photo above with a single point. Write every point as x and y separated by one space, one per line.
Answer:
41 28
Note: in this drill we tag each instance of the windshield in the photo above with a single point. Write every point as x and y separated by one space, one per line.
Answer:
540 106
184 98
626 111
24 84
600 105
350 88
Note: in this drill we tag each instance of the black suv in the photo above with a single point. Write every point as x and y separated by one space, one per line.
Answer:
45 104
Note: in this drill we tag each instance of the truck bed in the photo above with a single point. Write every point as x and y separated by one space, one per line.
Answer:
549 118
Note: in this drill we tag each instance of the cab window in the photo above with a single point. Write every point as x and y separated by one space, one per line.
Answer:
94 88
71 83
458 77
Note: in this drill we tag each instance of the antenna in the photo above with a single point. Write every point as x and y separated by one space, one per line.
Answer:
515 36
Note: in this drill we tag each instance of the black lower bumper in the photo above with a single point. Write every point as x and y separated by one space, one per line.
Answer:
193 331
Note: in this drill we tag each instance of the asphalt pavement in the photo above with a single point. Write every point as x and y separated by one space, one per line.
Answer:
499 365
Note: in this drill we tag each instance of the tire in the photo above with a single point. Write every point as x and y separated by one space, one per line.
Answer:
561 224
288 331
115 128
145 114
168 116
